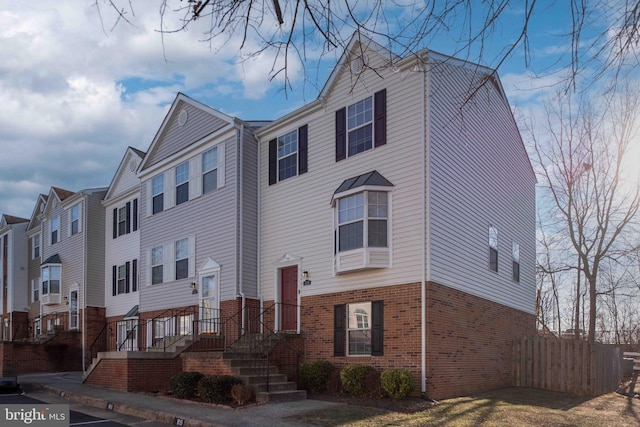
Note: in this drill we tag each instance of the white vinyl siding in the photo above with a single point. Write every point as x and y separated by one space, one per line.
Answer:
399 161
479 175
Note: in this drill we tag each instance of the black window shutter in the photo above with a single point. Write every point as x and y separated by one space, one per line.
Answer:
302 149
134 214
134 275
128 222
115 223
341 134
127 281
115 280
377 328
273 161
380 117
339 330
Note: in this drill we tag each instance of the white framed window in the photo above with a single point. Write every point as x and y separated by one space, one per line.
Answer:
35 246
122 279
51 279
157 194
493 248
515 255
157 265
359 329
172 261
182 258
210 170
182 183
55 230
360 126
288 155
122 220
35 290
362 221
75 226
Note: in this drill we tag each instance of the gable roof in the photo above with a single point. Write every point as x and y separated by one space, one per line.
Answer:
62 193
10 219
173 116
355 49
33 220
121 168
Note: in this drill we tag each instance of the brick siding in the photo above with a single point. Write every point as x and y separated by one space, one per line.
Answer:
469 339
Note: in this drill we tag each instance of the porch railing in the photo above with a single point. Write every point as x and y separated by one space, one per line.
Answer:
248 335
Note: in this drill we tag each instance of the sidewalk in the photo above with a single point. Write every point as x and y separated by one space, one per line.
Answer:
69 385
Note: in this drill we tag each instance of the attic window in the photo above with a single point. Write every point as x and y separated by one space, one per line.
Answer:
182 118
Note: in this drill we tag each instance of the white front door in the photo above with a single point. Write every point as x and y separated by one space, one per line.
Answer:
209 313
73 309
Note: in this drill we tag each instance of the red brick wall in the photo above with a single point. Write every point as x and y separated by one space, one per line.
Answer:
135 374
63 352
469 339
209 363
151 374
95 321
470 342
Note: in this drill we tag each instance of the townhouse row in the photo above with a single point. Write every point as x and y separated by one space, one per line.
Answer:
389 222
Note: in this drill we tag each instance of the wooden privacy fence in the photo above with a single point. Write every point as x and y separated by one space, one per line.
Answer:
567 365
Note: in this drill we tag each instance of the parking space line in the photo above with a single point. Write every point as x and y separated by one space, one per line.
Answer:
90 422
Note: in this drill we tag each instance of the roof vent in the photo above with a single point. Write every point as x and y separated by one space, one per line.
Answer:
358 64
182 118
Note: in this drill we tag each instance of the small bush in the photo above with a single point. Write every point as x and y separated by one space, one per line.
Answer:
217 388
241 393
314 375
356 378
397 383
185 384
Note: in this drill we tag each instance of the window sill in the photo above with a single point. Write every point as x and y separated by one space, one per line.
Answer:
362 259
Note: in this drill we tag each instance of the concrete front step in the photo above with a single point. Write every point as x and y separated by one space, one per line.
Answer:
251 370
285 386
281 396
251 380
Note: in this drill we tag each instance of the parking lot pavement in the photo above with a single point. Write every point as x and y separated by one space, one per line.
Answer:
80 415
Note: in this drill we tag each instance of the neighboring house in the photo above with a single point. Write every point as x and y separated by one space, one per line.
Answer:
397 221
198 222
13 278
34 253
72 274
122 250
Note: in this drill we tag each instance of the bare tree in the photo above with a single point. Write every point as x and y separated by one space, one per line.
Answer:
313 28
581 164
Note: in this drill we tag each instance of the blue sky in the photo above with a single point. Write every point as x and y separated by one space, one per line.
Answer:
75 90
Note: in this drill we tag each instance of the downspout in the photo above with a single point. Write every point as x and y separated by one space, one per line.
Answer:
84 281
259 230
241 226
424 247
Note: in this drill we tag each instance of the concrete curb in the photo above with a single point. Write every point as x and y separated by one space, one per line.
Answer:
122 408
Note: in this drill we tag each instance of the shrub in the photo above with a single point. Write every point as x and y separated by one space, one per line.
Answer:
356 378
184 384
241 393
314 375
217 388
397 383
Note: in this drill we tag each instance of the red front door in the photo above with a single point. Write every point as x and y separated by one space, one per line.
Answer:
289 298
